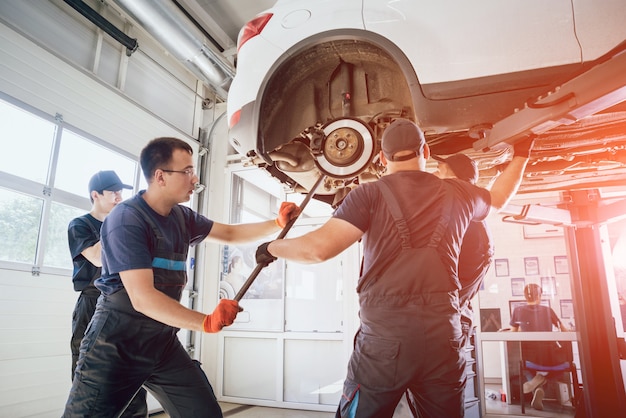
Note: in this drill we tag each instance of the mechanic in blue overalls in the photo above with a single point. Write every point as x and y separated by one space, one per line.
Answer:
131 341
412 224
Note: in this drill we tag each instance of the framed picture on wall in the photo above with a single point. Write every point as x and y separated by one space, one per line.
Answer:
561 264
517 286
567 309
501 266
548 285
531 266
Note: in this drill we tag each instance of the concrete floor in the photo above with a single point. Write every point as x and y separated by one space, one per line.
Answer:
495 408
250 411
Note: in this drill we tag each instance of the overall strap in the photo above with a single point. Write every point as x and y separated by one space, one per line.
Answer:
396 212
146 217
401 224
444 220
94 229
176 210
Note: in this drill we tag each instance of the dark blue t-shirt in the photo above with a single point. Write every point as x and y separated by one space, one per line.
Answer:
83 232
128 239
476 255
534 318
422 198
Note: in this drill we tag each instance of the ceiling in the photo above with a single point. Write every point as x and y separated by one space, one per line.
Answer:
222 19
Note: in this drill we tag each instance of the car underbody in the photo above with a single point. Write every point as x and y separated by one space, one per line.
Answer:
324 110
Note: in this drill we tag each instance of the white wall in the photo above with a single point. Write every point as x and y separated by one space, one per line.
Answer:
35 362
511 244
35 311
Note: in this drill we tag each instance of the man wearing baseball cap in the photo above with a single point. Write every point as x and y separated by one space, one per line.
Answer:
106 180
412 224
105 192
477 250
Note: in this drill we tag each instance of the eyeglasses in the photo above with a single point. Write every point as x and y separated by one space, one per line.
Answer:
189 172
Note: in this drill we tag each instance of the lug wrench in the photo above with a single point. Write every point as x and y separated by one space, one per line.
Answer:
259 267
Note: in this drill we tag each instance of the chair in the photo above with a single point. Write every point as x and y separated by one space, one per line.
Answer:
567 366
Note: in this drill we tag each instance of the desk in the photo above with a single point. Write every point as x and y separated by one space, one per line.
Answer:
510 357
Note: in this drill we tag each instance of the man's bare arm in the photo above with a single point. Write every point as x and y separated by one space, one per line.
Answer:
319 245
243 233
146 299
506 185
93 254
234 234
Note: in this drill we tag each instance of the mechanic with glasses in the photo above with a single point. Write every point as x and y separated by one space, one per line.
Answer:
412 224
132 339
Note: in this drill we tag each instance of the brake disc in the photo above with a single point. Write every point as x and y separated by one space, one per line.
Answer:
347 148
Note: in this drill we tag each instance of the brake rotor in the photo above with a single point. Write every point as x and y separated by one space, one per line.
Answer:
347 148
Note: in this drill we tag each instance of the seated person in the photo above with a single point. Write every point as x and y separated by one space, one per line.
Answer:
535 317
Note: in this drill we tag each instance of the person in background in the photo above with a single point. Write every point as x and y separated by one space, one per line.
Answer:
535 317
235 276
477 249
132 339
83 233
410 335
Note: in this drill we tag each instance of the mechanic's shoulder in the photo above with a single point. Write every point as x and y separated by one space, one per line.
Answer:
468 187
81 220
126 211
185 210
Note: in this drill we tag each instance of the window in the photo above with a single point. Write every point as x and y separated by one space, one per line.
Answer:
20 217
25 135
56 252
80 158
45 169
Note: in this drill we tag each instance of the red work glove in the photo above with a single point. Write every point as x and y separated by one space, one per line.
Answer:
223 315
522 148
287 212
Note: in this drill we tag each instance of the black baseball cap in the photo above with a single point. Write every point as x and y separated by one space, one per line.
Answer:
402 135
106 180
464 167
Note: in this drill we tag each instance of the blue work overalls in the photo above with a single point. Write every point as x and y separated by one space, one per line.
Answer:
410 335
124 349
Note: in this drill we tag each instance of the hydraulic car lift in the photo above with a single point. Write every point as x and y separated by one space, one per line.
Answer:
584 217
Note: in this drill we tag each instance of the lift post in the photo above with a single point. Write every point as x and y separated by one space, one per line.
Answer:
584 217
589 246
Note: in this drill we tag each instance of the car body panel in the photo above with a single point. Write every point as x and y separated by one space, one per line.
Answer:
499 37
316 88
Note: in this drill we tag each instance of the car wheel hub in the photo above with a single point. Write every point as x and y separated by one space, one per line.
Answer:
347 148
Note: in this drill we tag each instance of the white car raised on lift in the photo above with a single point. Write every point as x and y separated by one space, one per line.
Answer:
318 81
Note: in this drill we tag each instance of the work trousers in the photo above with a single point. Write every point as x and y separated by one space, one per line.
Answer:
83 311
123 350
418 348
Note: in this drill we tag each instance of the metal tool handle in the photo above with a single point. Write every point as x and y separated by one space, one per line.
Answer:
283 232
